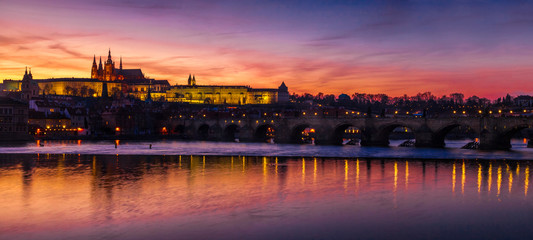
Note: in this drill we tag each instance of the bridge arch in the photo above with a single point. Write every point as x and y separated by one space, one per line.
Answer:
384 133
505 137
439 137
345 131
264 133
231 132
203 132
303 133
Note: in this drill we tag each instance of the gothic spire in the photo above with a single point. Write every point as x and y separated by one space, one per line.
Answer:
100 64
94 60
26 72
120 62
109 55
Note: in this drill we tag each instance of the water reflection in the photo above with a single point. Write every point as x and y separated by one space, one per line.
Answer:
66 194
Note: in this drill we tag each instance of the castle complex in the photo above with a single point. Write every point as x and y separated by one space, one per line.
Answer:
106 80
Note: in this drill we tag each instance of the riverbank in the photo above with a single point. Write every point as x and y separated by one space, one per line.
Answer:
199 148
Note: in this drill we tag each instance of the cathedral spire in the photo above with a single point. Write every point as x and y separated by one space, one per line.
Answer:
94 60
100 64
109 60
26 72
189 80
120 62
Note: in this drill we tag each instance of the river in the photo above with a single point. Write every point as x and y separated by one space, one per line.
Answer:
187 190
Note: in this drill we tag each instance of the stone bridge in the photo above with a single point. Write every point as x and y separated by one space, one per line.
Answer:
494 133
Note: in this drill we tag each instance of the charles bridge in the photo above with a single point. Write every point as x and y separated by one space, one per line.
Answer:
493 132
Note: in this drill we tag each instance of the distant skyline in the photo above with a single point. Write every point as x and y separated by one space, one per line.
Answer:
481 48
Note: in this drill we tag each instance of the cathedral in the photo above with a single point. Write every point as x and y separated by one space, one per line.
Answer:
108 72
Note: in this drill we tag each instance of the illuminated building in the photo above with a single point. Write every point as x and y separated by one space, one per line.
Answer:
226 94
106 80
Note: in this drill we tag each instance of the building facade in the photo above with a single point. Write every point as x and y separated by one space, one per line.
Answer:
226 94
13 120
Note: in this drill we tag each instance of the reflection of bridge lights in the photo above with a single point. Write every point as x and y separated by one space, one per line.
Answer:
480 111
490 111
454 112
500 111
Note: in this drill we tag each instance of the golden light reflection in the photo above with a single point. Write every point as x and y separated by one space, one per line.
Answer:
303 170
314 170
395 176
406 175
94 166
526 181
117 143
463 179
276 166
243 163
232 163
479 178
517 169
510 178
345 174
357 174
489 180
453 178
499 183
265 169
179 163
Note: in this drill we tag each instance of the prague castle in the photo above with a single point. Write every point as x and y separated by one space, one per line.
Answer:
106 80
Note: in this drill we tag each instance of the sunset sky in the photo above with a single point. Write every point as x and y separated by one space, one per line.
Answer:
482 48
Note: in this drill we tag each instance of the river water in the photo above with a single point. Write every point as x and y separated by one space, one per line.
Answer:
183 190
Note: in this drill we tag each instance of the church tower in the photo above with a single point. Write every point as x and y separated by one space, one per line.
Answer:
29 88
100 70
109 68
94 69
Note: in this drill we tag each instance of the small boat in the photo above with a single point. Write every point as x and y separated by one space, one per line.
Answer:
471 145
350 141
408 143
